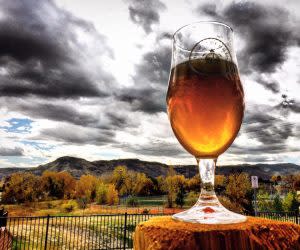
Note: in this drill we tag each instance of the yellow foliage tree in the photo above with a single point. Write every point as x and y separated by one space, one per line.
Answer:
112 196
193 184
172 184
130 182
21 187
238 188
86 187
58 184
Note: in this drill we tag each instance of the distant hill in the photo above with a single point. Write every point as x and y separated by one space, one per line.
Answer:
263 171
78 167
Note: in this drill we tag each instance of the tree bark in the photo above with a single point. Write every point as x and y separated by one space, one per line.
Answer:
256 233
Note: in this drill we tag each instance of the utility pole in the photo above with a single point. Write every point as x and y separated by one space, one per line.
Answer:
254 183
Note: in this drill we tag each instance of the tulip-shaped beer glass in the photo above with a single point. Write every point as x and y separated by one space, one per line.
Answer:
205 106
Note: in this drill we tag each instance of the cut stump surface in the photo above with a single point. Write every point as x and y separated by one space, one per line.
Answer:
256 233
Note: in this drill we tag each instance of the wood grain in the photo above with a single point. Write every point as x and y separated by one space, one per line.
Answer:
256 233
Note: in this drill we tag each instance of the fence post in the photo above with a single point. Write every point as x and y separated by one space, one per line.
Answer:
297 216
125 229
47 229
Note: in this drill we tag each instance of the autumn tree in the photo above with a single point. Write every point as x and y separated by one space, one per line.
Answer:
296 183
21 187
112 196
143 185
172 184
194 183
86 187
239 190
101 193
58 184
287 183
118 177
107 194
275 179
264 202
160 180
220 183
129 182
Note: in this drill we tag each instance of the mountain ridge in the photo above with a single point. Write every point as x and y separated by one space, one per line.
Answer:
79 166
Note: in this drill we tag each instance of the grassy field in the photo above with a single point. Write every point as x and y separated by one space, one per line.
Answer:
149 200
152 205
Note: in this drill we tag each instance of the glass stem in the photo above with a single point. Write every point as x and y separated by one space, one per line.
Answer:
207 176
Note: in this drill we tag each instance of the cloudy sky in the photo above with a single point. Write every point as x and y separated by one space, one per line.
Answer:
89 79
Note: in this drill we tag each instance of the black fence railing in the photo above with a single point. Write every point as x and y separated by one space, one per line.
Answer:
282 216
113 231
105 231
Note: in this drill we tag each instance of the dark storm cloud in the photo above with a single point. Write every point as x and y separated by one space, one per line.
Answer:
266 149
269 84
255 158
268 129
151 80
49 83
66 112
295 107
145 12
155 66
148 100
267 30
40 52
55 112
76 135
158 148
17 151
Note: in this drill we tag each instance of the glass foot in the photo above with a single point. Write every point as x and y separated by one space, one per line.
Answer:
216 214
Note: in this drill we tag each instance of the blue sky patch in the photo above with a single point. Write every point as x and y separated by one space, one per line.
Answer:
16 125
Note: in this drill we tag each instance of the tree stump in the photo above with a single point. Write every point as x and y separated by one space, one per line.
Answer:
256 233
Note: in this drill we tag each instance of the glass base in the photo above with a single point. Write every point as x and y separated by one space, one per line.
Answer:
216 214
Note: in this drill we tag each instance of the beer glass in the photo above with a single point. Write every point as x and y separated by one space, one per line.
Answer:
205 102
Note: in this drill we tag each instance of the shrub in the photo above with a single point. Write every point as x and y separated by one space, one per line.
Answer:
69 206
82 202
132 201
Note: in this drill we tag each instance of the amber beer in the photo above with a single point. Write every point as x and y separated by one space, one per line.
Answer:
205 105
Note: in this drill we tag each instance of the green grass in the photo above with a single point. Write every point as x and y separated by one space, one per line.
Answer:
150 200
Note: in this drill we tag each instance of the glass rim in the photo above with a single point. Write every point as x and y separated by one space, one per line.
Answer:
199 22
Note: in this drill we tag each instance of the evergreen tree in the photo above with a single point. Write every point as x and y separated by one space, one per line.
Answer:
180 197
277 204
290 202
294 203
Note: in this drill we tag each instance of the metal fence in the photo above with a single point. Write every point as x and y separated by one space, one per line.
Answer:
113 231
282 216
